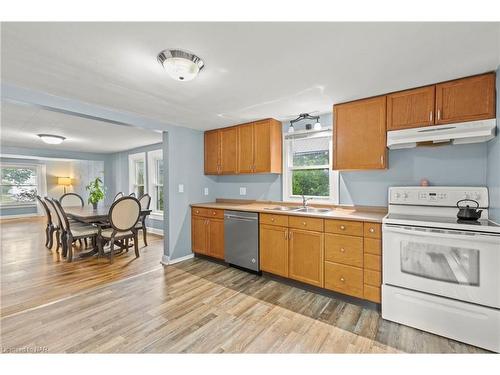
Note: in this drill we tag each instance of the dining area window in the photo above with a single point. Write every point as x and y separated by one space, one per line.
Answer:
155 180
137 166
19 185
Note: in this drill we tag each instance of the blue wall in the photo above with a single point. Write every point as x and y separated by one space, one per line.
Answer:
493 167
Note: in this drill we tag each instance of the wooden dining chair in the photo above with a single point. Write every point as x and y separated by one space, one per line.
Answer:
118 196
71 200
132 195
48 235
56 224
145 201
123 217
72 233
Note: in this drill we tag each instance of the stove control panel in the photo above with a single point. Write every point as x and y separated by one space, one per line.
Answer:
438 196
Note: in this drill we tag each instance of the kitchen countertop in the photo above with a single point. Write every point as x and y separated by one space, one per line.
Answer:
354 213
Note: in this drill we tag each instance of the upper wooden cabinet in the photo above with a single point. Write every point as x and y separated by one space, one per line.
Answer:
359 134
466 99
212 152
411 108
248 148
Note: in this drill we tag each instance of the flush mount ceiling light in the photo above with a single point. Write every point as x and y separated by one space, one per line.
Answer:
180 65
51 139
305 116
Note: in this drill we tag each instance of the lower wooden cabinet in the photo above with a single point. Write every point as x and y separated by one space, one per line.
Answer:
207 233
306 256
274 249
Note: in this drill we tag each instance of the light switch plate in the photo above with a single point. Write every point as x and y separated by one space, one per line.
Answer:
181 188
205 191
243 191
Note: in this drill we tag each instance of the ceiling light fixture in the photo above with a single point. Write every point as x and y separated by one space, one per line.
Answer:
305 116
51 139
180 65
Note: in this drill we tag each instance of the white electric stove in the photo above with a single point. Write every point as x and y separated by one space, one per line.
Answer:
441 274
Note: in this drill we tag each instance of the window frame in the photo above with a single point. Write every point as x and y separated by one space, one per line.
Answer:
40 177
333 175
153 157
132 159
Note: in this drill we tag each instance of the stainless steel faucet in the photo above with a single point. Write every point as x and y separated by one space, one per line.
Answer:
305 200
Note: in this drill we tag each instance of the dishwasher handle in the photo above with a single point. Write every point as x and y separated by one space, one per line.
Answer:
240 218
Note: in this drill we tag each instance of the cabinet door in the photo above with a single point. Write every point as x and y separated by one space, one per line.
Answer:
360 135
306 256
212 152
466 99
228 147
199 230
245 148
262 146
216 238
410 108
274 249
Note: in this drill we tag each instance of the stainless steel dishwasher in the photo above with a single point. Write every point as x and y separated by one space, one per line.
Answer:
241 239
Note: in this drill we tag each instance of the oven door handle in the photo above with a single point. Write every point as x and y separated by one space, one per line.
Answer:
442 233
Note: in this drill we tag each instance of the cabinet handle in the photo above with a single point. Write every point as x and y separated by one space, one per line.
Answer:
214 213
272 219
304 223
342 250
439 114
290 235
371 230
286 235
430 117
342 227
342 278
197 211
382 159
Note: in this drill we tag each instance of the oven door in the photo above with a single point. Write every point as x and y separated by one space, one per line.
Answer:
451 263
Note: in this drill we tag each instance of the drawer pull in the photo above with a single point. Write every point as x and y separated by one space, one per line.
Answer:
371 230
342 279
304 223
197 211
214 213
342 250
272 219
342 227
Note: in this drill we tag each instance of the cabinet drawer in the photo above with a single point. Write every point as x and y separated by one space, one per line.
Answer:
371 293
351 228
344 279
373 278
307 223
208 212
373 262
372 230
344 249
373 246
270 219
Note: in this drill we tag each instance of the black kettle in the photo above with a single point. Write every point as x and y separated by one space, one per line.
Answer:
468 213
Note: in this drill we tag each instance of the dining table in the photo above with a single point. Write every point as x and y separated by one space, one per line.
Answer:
90 215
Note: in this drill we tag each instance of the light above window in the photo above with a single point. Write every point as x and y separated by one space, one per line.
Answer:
305 116
180 65
51 139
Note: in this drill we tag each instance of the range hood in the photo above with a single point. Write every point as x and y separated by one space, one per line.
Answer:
461 133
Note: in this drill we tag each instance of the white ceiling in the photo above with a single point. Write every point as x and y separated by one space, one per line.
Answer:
253 70
21 124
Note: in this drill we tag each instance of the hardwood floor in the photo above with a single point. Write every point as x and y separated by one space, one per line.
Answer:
196 306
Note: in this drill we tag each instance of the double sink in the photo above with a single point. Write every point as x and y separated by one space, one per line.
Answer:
299 209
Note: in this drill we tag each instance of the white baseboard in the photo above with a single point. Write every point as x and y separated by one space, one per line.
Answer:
166 261
159 232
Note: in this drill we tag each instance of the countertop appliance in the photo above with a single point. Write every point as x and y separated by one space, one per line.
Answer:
241 239
442 274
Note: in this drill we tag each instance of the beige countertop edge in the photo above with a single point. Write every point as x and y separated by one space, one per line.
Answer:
354 213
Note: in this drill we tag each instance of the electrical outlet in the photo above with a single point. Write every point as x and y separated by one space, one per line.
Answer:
181 188
243 191
205 191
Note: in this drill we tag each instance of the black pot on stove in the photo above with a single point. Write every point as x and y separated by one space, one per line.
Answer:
466 212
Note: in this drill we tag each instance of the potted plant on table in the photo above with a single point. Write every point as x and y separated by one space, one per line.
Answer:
96 192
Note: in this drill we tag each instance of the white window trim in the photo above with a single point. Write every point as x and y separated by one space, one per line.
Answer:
41 182
152 156
132 158
287 177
